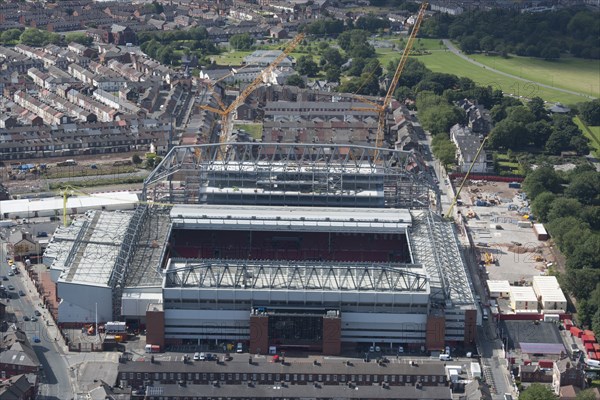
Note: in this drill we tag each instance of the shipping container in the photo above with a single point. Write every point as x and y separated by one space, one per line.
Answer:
514 185
546 363
540 232
589 347
596 347
568 324
575 331
592 355
587 332
588 339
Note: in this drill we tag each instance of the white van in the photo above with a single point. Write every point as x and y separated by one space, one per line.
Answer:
486 315
445 357
240 348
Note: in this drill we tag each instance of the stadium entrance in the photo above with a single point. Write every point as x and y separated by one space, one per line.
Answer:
295 330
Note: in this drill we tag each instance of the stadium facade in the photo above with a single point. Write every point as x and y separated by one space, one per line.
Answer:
303 247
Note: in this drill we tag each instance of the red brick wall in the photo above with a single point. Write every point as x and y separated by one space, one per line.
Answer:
470 326
332 330
259 334
155 328
436 332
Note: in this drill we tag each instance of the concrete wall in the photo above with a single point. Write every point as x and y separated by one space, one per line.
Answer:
383 327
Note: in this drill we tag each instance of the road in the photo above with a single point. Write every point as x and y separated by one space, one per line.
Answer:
456 51
55 380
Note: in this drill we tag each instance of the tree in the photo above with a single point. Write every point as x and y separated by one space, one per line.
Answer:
564 207
541 205
469 44
333 57
589 111
10 36
136 159
78 37
585 187
333 74
539 132
444 149
295 80
536 106
537 391
542 179
508 134
241 41
307 66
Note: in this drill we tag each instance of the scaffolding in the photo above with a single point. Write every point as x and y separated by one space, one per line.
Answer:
292 174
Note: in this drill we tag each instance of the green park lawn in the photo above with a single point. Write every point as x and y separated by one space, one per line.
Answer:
254 130
576 74
447 62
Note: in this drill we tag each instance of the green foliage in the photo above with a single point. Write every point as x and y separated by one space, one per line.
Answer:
78 37
585 187
589 111
543 34
542 179
355 44
537 391
541 205
241 41
444 149
163 44
37 38
295 80
325 27
10 36
136 159
371 23
307 66
586 394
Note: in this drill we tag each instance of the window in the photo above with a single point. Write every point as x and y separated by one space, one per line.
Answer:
368 378
157 376
320 378
433 378
139 375
393 378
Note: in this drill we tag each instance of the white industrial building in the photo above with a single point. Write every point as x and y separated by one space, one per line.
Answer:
53 206
523 299
498 288
549 294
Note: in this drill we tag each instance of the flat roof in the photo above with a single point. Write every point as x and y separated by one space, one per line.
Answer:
298 218
308 391
97 247
522 293
548 288
56 203
498 286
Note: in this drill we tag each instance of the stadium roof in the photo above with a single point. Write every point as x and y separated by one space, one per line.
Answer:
291 218
273 275
92 257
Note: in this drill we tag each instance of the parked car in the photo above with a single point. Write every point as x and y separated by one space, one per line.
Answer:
34 319
37 313
36 339
202 357
25 318
11 287
21 293
196 356
4 277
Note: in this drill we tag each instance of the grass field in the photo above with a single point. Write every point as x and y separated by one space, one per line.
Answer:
445 61
575 74
592 133
254 130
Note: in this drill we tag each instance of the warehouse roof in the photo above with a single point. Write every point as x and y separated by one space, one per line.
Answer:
81 203
548 289
522 293
498 286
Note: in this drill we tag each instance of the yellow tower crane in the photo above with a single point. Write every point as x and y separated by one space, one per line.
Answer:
381 108
226 112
